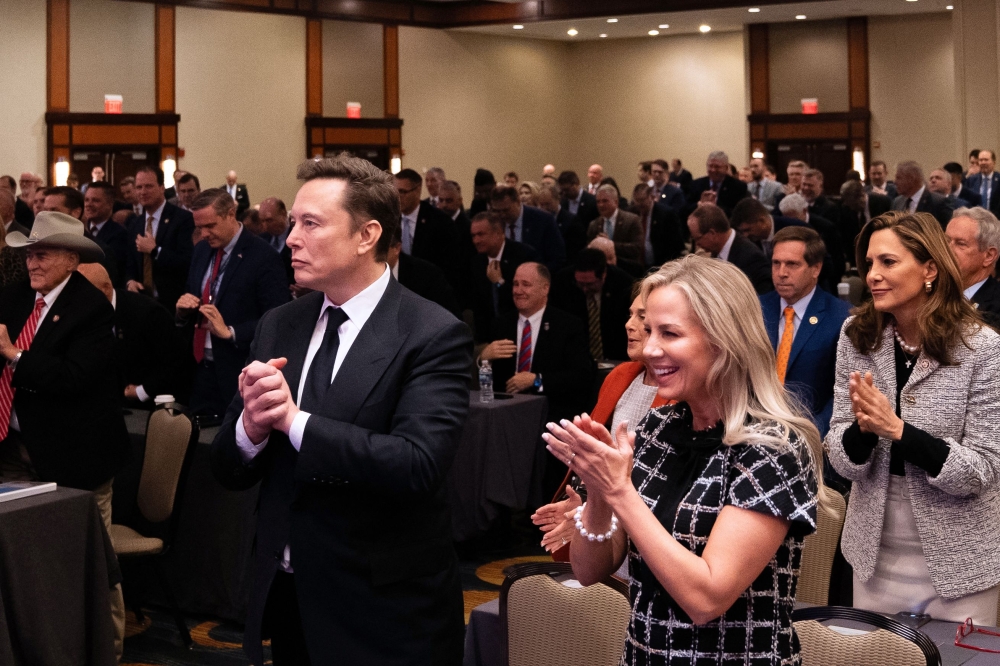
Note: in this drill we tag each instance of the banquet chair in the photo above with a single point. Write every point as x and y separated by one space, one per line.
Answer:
890 643
170 439
820 547
545 623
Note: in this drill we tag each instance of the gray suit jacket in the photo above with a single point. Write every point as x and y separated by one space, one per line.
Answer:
628 237
956 511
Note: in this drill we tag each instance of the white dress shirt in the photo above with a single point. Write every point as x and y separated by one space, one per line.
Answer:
971 291
911 206
410 218
536 324
800 308
232 191
157 216
724 252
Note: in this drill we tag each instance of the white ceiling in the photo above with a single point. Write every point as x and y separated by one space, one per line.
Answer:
720 20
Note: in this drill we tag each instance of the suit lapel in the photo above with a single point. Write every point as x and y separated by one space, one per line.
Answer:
294 344
161 230
542 342
771 316
814 316
233 265
54 317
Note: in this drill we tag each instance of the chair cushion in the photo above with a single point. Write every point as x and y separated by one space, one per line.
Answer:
129 542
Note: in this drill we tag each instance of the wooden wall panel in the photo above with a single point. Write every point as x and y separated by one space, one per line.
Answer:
116 134
760 68
807 131
857 62
314 68
358 136
165 58
57 55
390 61
60 135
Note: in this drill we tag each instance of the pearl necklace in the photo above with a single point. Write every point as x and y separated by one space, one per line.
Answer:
905 347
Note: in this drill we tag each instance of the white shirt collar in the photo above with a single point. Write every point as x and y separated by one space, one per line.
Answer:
500 253
395 269
918 196
971 291
536 325
114 300
724 252
360 307
232 243
158 213
800 306
456 214
51 297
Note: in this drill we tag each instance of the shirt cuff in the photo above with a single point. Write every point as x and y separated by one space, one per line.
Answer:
922 449
141 394
298 429
858 445
232 334
248 450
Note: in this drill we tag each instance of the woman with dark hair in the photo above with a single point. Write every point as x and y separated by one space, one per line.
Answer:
916 405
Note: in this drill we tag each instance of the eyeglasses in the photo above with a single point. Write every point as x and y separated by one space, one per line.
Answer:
405 192
967 628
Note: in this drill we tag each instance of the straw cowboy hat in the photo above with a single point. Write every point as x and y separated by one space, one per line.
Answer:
53 229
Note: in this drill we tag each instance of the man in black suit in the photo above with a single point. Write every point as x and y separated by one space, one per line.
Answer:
574 232
7 218
159 252
350 412
958 188
23 212
986 182
857 208
529 225
678 174
914 197
753 221
433 179
238 192
273 216
812 190
69 200
710 231
60 414
667 192
98 205
796 207
578 202
491 273
421 277
188 187
600 296
878 173
427 232
718 187
974 237
482 184
235 278
662 233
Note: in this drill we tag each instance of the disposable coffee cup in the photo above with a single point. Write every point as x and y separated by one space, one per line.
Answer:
163 399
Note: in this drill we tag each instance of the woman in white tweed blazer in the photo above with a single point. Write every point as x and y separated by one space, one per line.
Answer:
915 427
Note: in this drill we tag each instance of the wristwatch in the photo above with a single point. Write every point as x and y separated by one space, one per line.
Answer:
12 363
538 381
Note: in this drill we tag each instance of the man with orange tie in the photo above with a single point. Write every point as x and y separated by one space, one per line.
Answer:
803 322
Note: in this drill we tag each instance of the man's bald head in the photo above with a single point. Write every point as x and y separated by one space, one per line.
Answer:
98 276
607 246
7 204
231 178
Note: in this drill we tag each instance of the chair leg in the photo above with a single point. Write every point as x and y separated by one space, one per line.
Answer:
178 616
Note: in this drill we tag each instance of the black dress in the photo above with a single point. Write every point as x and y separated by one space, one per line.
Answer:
686 477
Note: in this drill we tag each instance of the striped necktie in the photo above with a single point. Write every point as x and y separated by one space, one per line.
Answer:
24 343
524 355
594 324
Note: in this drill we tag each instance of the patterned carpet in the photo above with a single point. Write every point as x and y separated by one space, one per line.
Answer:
156 641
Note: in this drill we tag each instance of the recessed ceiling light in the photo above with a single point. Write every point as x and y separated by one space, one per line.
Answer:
704 28
653 33
518 27
663 26
800 16
754 10
612 20
572 32
603 35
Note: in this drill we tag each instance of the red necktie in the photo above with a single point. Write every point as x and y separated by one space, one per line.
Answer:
23 343
206 297
524 355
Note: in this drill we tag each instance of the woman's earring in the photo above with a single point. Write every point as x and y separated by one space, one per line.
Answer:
928 286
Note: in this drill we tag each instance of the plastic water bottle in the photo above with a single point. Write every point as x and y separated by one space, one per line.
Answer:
485 381
844 291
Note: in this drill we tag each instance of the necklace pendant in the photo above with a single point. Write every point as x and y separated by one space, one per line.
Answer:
909 363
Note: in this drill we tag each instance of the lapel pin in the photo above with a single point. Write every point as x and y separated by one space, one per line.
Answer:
240 255
813 320
545 326
55 319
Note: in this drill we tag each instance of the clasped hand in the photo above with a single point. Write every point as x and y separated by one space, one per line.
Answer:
872 409
267 400
603 462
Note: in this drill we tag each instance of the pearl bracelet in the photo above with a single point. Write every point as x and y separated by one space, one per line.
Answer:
590 536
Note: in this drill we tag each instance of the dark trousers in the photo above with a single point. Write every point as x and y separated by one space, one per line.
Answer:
283 623
206 394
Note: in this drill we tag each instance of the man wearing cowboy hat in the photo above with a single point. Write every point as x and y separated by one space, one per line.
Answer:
60 414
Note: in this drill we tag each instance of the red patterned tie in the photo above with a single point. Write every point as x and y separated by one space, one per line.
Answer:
524 356
206 295
23 343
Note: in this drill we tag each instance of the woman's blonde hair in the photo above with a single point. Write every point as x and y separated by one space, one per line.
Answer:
743 374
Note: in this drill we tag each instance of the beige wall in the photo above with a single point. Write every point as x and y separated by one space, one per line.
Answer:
680 97
112 52
808 59
352 68
911 72
241 98
22 79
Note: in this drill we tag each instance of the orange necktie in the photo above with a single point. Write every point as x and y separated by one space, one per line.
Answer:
785 348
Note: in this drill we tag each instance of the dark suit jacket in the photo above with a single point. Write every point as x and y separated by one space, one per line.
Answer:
975 183
629 240
971 197
935 204
363 504
539 230
435 240
616 299
170 268
878 204
753 262
890 190
672 197
285 253
253 283
427 280
666 235
813 360
23 213
683 179
562 356
148 348
574 233
825 208
242 198
66 390
587 210
114 236
987 301
480 295
833 266
731 191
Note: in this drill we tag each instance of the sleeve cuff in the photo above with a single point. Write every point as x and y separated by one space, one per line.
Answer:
858 445
923 449
248 450
140 393
298 429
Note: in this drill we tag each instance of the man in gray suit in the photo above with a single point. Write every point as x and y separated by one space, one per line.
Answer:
915 197
762 189
621 226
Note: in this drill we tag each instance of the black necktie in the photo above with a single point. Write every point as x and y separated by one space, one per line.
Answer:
321 371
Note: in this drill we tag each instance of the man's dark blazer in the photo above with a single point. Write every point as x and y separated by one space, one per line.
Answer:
987 301
574 233
616 299
672 197
731 191
285 253
975 183
480 294
587 210
114 236
242 198
539 230
428 281
253 283
562 356
825 208
170 268
435 240
833 266
363 504
23 213
66 389
148 349
932 203
971 197
878 204
666 234
812 363
683 180
753 262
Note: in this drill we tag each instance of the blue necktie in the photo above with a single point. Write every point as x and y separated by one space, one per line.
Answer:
985 190
609 228
407 236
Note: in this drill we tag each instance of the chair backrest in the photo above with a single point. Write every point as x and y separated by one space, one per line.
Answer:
545 623
820 547
890 643
169 436
857 292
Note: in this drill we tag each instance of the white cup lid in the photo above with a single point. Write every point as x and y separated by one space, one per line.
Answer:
163 399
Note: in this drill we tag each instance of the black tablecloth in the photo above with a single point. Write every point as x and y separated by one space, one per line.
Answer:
56 569
499 462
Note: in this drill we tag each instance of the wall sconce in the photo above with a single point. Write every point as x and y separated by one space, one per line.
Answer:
395 165
62 172
757 154
859 163
169 167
